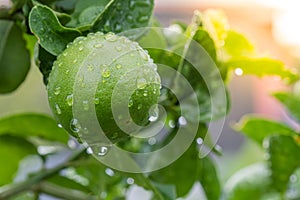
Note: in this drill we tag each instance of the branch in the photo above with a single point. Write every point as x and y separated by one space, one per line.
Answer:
14 189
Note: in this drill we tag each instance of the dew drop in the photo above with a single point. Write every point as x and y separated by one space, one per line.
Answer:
118 66
57 90
199 141
59 126
130 181
69 100
130 103
143 54
141 83
105 72
145 93
85 105
97 101
109 172
74 125
143 18
98 45
119 48
67 72
60 64
85 130
139 106
111 37
90 68
103 151
182 121
57 109
171 124
80 48
152 141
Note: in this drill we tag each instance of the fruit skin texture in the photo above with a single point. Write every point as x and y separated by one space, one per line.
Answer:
117 59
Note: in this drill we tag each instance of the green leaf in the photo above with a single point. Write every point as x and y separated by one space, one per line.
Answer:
236 45
51 35
262 67
204 39
168 191
179 173
13 69
257 128
283 157
44 61
291 102
252 182
122 15
12 150
86 12
68 183
27 125
208 177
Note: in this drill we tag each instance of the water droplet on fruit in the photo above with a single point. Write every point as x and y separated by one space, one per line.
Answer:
118 66
57 109
90 68
139 106
119 48
74 125
141 83
80 48
103 151
67 72
57 90
105 72
111 37
143 18
97 101
85 105
98 45
69 100
130 103
59 126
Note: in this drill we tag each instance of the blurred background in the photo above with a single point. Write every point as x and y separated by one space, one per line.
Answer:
270 25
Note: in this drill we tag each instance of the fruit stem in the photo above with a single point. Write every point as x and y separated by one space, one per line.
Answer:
14 189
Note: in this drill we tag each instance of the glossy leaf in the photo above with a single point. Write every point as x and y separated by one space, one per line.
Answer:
257 128
283 157
291 102
208 177
179 173
252 182
51 35
14 57
122 15
28 125
12 150
86 12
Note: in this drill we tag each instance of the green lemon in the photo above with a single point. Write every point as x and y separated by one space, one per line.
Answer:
116 62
